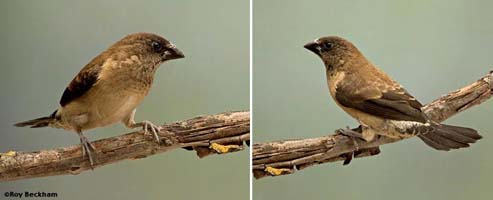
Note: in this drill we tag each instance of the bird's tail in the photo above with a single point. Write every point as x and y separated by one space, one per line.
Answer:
446 137
39 122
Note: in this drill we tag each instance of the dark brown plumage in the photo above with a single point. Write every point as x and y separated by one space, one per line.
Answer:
110 87
395 104
380 104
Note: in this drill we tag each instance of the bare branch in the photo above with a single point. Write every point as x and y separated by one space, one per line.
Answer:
225 132
285 157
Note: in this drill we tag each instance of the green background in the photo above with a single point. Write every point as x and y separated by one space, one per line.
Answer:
430 47
45 43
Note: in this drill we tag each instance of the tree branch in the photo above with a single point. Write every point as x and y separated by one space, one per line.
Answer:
287 156
203 134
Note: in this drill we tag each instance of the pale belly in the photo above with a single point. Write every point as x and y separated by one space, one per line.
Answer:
99 108
366 119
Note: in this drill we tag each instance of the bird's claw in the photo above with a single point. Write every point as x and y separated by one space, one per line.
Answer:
353 134
350 133
154 129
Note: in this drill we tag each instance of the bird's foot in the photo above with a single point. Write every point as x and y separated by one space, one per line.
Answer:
220 149
354 133
147 125
87 147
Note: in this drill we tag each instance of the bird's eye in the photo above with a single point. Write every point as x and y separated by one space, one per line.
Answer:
327 46
156 47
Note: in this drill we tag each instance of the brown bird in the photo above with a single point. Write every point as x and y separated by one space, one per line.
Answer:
380 104
110 87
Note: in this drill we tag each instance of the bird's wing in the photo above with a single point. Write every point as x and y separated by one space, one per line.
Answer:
378 99
83 81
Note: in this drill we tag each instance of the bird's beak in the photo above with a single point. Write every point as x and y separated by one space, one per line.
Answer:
173 53
313 47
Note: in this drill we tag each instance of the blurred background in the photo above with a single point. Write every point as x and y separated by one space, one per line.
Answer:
430 47
45 44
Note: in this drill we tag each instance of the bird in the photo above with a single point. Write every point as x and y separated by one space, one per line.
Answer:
380 104
109 88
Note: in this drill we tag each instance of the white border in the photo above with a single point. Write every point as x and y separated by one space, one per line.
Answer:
251 95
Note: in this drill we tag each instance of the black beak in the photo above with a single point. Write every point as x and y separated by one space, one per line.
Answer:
313 47
173 53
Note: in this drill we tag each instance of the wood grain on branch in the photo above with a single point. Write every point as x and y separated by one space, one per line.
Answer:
230 130
285 157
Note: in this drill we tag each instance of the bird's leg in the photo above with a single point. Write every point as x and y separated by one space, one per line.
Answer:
368 133
146 125
86 147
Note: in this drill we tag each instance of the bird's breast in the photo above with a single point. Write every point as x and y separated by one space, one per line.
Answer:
131 73
109 107
333 79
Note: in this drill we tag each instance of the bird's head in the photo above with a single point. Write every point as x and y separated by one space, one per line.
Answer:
147 47
334 51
